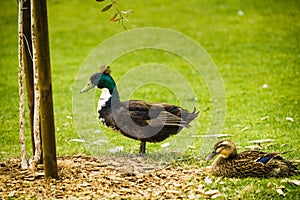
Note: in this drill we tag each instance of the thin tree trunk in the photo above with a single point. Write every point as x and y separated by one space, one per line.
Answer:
36 116
28 67
24 163
41 60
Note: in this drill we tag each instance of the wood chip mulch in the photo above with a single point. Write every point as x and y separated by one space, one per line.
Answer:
85 177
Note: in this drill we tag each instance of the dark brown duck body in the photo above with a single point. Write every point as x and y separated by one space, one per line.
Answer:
249 163
144 121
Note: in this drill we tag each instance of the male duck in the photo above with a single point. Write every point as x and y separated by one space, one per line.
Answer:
248 163
136 119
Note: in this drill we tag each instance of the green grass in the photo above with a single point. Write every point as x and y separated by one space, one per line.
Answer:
260 47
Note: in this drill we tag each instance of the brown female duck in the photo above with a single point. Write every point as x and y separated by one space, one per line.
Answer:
248 163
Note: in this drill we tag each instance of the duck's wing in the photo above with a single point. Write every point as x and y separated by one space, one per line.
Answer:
133 105
265 164
166 112
260 157
153 114
161 118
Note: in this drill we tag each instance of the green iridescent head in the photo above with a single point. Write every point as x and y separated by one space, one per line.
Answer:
100 80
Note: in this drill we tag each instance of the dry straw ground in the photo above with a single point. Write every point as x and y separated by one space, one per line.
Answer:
117 177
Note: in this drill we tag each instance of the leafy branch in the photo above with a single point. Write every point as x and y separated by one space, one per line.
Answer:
119 15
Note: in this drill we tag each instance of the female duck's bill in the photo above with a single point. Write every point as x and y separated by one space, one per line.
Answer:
211 155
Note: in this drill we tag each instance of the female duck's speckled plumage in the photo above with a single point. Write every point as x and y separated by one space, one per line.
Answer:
137 119
248 163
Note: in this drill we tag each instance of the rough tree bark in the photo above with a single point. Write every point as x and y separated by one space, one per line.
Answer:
28 68
36 116
24 163
41 59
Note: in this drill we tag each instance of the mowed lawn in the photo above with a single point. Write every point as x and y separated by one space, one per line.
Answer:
254 44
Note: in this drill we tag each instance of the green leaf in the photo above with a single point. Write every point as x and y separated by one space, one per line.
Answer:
106 8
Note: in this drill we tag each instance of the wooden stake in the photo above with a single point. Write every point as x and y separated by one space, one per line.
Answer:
41 60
